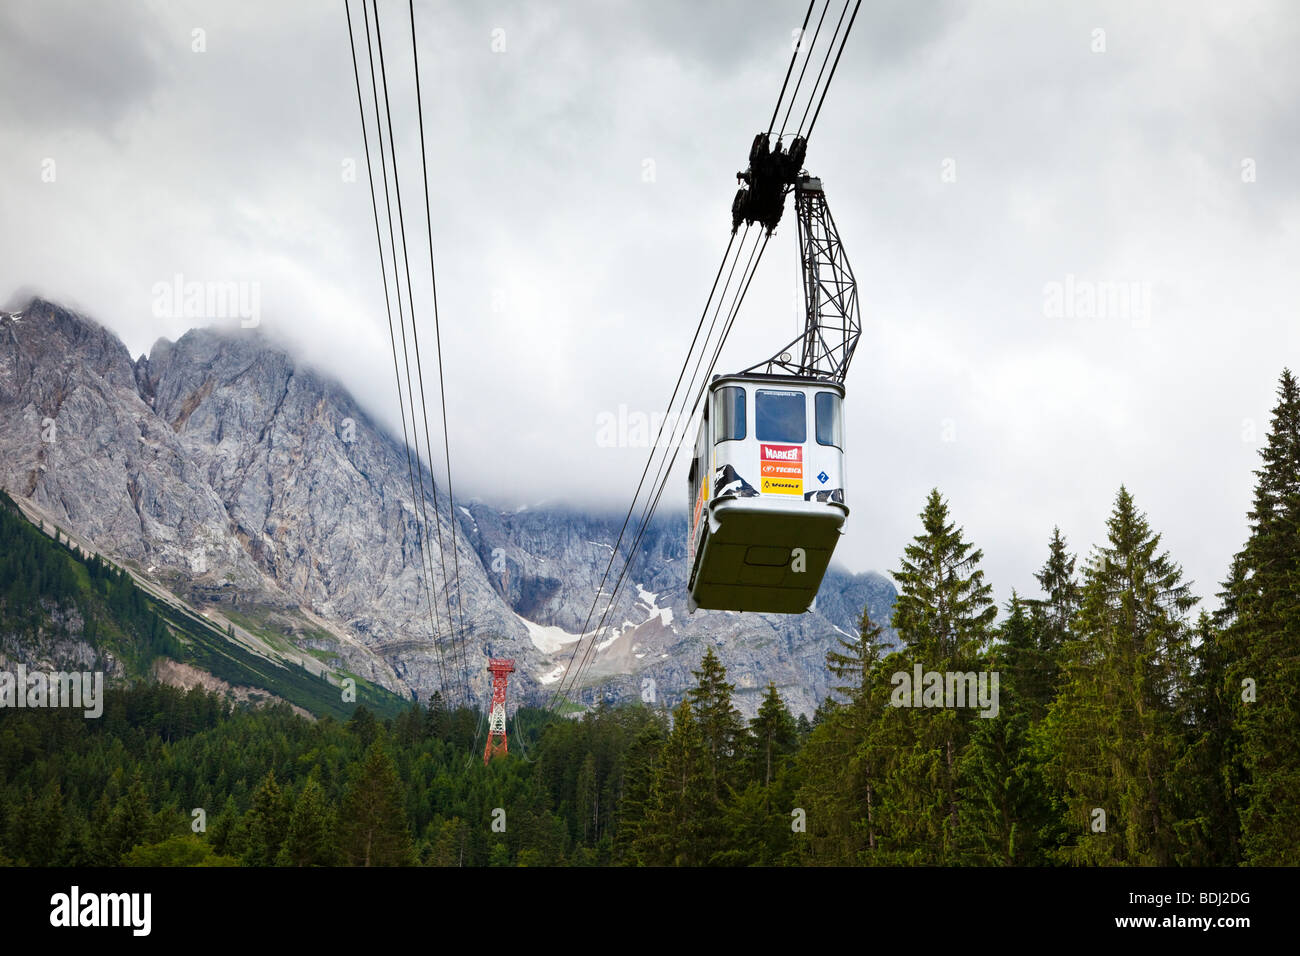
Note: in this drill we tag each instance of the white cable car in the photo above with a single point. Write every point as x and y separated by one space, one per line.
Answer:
766 485
766 493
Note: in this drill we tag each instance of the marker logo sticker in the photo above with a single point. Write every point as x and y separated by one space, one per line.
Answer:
786 453
781 469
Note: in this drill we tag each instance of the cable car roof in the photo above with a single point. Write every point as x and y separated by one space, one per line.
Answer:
769 378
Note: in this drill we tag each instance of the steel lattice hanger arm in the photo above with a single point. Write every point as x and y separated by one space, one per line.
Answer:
831 321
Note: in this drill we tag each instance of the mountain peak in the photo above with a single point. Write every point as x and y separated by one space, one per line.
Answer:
224 470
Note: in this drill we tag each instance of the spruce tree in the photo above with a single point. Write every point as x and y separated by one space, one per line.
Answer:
772 738
1056 577
674 833
310 839
637 798
720 724
588 801
851 661
128 823
1036 660
1116 731
1008 819
362 723
224 832
840 760
438 720
41 829
944 606
265 823
449 843
942 617
848 785
1262 645
373 815
1209 772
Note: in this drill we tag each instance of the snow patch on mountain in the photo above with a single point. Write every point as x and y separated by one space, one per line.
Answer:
551 676
547 639
651 601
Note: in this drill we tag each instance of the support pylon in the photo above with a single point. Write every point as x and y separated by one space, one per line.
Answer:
500 669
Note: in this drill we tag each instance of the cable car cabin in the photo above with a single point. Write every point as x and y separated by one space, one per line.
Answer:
766 504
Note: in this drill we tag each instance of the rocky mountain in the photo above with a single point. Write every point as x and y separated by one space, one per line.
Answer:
223 470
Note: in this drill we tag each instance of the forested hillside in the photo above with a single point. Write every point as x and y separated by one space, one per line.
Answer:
75 611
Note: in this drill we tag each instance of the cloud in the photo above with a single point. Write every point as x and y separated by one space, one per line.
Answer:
581 168
74 65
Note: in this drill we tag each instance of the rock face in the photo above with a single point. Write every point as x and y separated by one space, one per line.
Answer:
224 469
547 564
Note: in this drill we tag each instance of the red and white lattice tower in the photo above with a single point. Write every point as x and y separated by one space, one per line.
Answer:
496 742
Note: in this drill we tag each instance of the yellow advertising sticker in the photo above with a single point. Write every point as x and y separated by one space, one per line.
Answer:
783 486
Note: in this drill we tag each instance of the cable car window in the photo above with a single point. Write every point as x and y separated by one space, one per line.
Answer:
830 426
729 414
780 416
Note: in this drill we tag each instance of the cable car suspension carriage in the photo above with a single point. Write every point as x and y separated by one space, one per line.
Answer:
767 482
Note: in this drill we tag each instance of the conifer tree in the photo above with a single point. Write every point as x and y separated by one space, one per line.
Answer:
772 738
312 832
437 719
826 796
942 617
637 799
839 762
1056 577
588 800
449 843
1262 645
1036 659
41 829
362 723
853 661
373 816
1116 731
944 606
224 832
1209 773
680 801
1008 819
720 724
127 824
265 823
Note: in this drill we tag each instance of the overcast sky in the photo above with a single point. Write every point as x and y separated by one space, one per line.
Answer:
988 166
